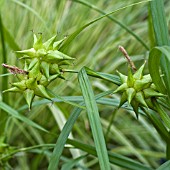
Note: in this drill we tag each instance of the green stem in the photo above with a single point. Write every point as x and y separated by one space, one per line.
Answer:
111 122
162 114
4 80
168 152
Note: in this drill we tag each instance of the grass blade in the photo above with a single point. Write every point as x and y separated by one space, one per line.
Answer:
114 158
159 22
105 76
154 63
71 37
94 120
16 115
4 80
65 133
164 166
114 20
31 10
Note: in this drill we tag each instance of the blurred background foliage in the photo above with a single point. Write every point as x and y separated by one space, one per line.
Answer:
97 48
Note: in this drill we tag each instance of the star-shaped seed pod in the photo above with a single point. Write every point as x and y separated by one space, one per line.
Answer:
137 89
43 64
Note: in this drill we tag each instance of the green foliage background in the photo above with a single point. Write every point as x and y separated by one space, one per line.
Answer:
97 48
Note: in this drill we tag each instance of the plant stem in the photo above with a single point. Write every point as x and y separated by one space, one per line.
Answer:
162 114
3 115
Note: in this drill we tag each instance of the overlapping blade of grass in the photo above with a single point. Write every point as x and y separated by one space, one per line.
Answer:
154 62
114 20
114 158
16 115
162 38
10 40
65 133
159 126
71 37
105 76
70 164
94 120
31 10
159 22
4 80
164 166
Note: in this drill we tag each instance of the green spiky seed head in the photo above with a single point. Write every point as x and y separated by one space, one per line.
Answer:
43 64
137 89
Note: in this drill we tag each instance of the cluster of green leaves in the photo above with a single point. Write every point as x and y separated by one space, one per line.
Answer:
115 134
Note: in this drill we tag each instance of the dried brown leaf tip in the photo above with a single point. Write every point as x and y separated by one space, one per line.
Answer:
14 69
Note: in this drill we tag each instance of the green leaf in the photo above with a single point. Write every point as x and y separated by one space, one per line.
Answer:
157 123
16 115
159 22
114 158
109 77
164 166
70 164
154 64
71 37
61 141
94 119
114 20
31 10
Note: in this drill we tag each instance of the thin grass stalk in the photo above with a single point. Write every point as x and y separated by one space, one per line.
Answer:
4 81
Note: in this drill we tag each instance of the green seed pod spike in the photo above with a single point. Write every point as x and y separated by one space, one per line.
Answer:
61 77
35 38
135 106
139 97
56 56
152 93
139 72
38 42
26 66
31 83
13 89
54 69
48 45
57 44
121 88
130 79
123 99
142 84
123 78
35 72
21 85
30 53
150 104
65 62
53 77
153 87
130 94
46 69
29 96
42 92
32 64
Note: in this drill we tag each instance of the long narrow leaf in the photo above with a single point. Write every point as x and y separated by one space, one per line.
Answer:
16 115
114 20
114 158
154 63
71 37
94 120
65 133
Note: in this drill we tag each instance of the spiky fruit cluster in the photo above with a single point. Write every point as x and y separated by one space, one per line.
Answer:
137 89
43 64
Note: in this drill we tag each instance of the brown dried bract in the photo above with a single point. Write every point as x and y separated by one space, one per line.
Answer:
14 69
128 58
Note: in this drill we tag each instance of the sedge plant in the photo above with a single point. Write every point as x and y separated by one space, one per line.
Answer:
146 94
